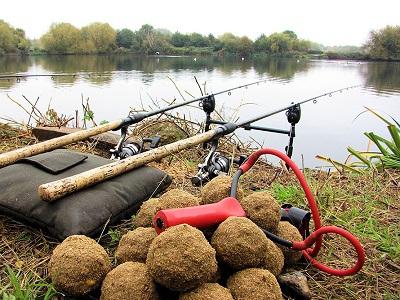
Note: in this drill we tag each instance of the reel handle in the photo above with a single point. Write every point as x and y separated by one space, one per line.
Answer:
201 216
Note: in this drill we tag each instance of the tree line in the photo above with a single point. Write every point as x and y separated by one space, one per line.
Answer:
101 38
64 38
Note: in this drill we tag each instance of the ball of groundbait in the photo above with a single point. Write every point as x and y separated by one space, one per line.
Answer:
240 243
254 284
208 291
134 245
181 259
288 232
262 209
217 189
78 265
144 217
274 259
177 198
129 281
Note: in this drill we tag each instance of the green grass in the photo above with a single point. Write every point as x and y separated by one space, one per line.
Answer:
364 212
288 194
115 235
24 286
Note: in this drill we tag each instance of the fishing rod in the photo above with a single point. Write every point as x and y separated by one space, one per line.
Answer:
216 163
18 77
133 118
22 76
60 188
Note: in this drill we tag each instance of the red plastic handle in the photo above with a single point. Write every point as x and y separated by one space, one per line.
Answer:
336 230
202 216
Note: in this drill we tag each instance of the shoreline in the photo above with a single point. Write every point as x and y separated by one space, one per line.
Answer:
319 56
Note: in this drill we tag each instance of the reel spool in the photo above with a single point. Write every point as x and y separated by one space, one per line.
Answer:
122 150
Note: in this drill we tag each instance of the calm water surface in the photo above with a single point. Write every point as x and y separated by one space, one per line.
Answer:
114 84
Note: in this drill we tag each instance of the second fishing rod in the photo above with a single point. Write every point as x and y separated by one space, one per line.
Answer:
60 188
123 124
215 163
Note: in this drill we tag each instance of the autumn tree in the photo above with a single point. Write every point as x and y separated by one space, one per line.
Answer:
245 46
62 38
229 42
100 37
11 39
21 42
384 43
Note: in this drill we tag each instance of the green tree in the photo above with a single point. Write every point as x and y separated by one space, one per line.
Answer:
230 42
280 43
62 38
384 43
180 40
21 42
150 40
245 46
6 38
290 34
146 38
101 35
197 40
125 38
214 42
301 45
12 40
262 44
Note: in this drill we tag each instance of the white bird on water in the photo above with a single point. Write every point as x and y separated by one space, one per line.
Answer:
242 58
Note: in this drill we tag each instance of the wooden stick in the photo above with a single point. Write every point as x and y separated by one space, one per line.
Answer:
54 190
11 157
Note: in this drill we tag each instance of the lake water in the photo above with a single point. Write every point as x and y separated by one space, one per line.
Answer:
114 84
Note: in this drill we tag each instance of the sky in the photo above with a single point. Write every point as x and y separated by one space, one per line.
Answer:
336 22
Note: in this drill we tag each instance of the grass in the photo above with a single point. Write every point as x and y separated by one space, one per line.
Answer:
24 286
387 157
366 204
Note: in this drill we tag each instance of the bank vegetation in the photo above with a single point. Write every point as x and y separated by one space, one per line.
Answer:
101 38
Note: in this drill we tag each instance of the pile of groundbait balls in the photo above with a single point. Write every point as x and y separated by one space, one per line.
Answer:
237 261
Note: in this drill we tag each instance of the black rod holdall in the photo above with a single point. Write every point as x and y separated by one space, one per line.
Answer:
85 212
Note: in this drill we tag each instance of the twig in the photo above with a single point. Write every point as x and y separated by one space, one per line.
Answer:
176 88
23 108
36 111
195 78
33 109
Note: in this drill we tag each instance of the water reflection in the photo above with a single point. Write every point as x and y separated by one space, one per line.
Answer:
381 77
283 68
12 65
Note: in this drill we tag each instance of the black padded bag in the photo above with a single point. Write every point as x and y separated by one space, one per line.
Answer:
85 212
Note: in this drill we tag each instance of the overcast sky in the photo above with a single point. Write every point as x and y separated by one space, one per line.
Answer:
336 22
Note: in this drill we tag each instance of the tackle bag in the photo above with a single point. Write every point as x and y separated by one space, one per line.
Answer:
85 212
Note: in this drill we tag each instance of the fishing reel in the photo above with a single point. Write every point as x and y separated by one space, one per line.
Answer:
124 150
214 164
